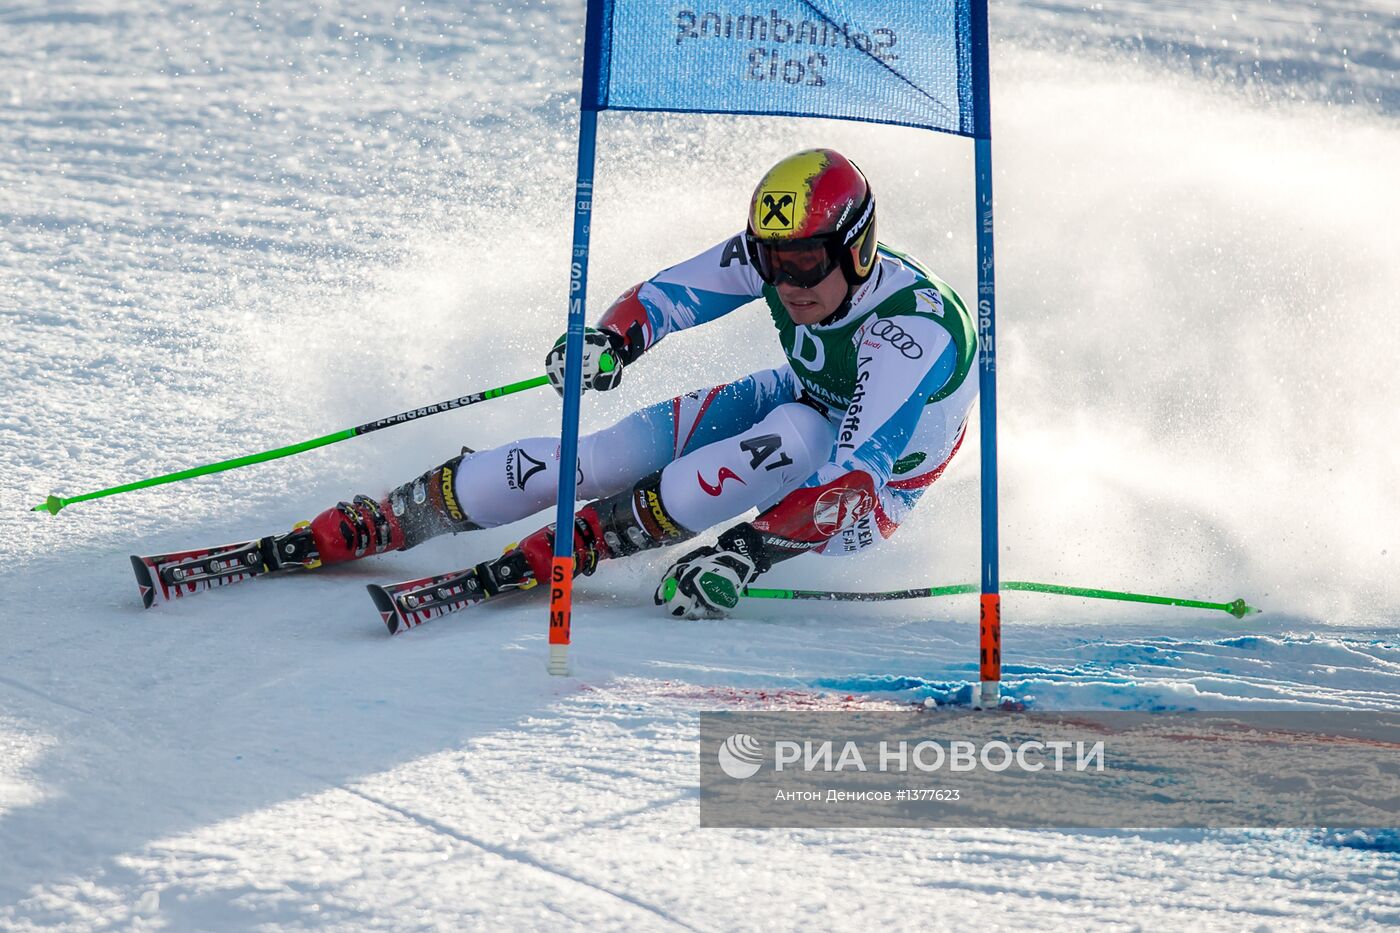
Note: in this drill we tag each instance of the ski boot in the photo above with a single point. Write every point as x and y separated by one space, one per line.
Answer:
420 509
614 527
618 526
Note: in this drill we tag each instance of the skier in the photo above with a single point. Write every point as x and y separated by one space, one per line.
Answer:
833 449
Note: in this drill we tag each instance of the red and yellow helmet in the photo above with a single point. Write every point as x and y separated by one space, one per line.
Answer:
811 213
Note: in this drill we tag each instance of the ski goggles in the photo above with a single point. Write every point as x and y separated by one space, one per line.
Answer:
803 263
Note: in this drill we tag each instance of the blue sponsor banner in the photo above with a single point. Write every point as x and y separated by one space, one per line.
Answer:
908 62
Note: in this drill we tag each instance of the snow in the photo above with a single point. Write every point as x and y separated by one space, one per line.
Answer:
231 227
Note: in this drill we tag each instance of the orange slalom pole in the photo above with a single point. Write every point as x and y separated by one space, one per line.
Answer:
991 640
561 597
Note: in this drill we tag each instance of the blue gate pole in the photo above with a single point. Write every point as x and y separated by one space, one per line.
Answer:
989 640
990 634
562 570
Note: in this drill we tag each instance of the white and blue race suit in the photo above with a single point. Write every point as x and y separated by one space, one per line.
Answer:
834 448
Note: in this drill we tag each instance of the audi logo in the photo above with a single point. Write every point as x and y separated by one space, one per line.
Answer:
898 338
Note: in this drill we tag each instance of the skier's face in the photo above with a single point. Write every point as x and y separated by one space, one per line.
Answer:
815 304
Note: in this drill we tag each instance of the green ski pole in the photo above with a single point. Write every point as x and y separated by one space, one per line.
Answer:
1238 608
53 504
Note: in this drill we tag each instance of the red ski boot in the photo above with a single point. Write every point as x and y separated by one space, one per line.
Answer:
618 526
589 550
356 529
408 515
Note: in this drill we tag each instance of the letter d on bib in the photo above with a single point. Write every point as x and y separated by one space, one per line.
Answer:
801 339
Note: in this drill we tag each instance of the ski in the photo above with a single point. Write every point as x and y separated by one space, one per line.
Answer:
406 605
166 577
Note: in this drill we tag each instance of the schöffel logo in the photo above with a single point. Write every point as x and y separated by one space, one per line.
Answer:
520 466
740 756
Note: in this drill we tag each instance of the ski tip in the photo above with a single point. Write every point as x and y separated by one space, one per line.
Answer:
385 604
144 582
51 505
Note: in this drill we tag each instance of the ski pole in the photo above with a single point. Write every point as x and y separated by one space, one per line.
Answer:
53 504
1239 609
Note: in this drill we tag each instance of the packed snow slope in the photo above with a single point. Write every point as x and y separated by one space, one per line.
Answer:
227 227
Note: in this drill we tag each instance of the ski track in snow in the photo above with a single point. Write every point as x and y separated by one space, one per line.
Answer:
227 228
